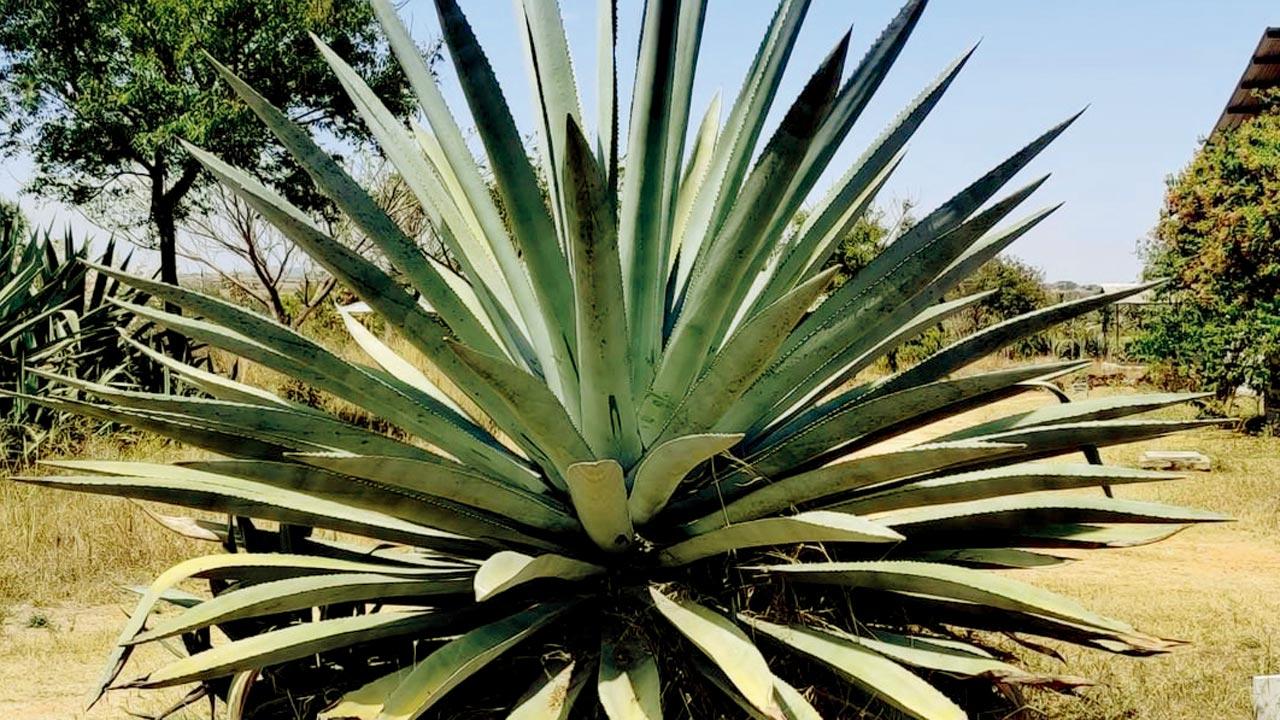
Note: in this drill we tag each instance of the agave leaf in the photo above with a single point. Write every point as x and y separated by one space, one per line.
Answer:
895 327
852 99
187 527
794 706
543 421
739 362
941 612
219 439
688 47
710 673
998 482
725 645
470 296
695 173
397 499
629 686
1105 408
299 593
454 482
848 105
913 247
298 641
599 495
1095 536
395 365
965 520
1049 440
368 281
822 482
218 386
551 697
518 187
457 660
753 300
723 261
868 669
607 89
244 566
608 410
555 92
815 239
942 656
989 558
284 426
506 570
736 144
988 340
403 253
365 702
853 319
258 339
645 205
762 417
454 216
834 427
476 195
238 694
219 493
446 203
816 526
936 580
658 475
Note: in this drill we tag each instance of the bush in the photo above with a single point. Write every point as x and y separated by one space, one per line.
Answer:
1218 241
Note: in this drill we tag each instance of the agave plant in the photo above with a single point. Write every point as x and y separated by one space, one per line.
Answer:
54 316
644 473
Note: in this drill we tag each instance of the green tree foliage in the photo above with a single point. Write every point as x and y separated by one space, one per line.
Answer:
1018 288
99 92
865 238
1218 242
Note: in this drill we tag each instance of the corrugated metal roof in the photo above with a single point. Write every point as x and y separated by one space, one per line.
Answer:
1262 72
1146 297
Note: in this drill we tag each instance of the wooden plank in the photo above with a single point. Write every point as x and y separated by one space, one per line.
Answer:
1175 460
1266 697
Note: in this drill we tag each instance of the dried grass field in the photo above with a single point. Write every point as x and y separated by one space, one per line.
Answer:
66 557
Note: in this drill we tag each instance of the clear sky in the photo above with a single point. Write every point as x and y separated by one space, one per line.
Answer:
1155 74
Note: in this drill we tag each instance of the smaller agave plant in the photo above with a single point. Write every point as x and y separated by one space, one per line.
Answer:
55 316
646 477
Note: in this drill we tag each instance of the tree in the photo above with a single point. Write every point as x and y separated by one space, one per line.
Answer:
100 91
231 230
1018 289
1218 243
865 238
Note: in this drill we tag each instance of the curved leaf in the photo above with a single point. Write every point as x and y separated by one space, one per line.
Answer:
506 570
816 526
724 644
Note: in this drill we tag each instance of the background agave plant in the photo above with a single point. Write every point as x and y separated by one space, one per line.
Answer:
645 478
55 316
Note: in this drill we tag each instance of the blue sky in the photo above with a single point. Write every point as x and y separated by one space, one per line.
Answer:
1154 73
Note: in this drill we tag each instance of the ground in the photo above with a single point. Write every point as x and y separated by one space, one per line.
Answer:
1217 587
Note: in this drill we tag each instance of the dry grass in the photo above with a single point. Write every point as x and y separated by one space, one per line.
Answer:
1217 587
66 547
